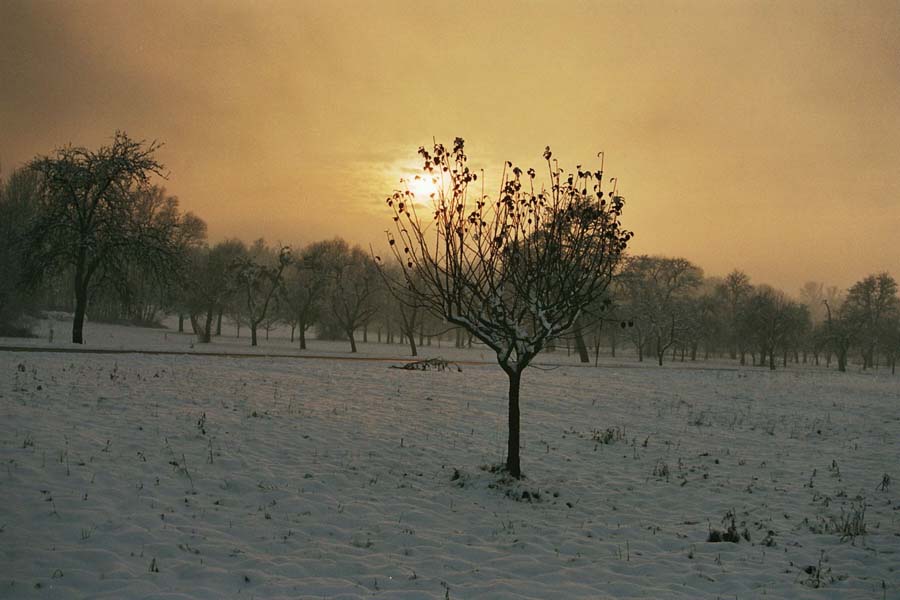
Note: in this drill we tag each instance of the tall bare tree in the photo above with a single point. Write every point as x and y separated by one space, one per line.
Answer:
87 213
515 271
871 304
734 291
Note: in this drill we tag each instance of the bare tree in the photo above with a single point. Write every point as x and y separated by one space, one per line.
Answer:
86 217
304 285
871 303
351 288
256 277
734 292
139 289
840 332
18 203
515 272
402 305
657 291
207 285
772 320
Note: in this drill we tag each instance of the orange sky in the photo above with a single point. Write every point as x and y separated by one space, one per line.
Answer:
758 135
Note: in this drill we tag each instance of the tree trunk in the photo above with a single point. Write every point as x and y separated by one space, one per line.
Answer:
412 343
195 325
253 327
80 307
219 323
583 355
513 466
772 359
180 322
352 340
204 336
293 330
301 325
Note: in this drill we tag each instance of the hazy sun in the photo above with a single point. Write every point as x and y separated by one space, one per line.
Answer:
422 186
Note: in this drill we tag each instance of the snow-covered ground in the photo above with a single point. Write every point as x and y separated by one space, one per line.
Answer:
189 476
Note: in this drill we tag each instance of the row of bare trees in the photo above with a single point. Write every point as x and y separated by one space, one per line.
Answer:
664 306
328 284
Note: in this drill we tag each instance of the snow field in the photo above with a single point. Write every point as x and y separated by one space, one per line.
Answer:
215 477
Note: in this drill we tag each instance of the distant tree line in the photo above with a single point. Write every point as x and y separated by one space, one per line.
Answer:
91 232
665 308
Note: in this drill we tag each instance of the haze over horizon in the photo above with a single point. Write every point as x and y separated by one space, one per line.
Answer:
763 136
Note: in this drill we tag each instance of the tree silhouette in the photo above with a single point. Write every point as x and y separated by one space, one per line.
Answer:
89 217
515 271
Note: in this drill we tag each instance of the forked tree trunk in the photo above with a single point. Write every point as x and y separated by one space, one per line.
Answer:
513 465
352 340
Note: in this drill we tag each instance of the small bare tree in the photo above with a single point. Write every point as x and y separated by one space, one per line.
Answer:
256 280
351 288
516 271
304 285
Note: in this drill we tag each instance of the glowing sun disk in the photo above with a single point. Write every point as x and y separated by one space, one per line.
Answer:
422 186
